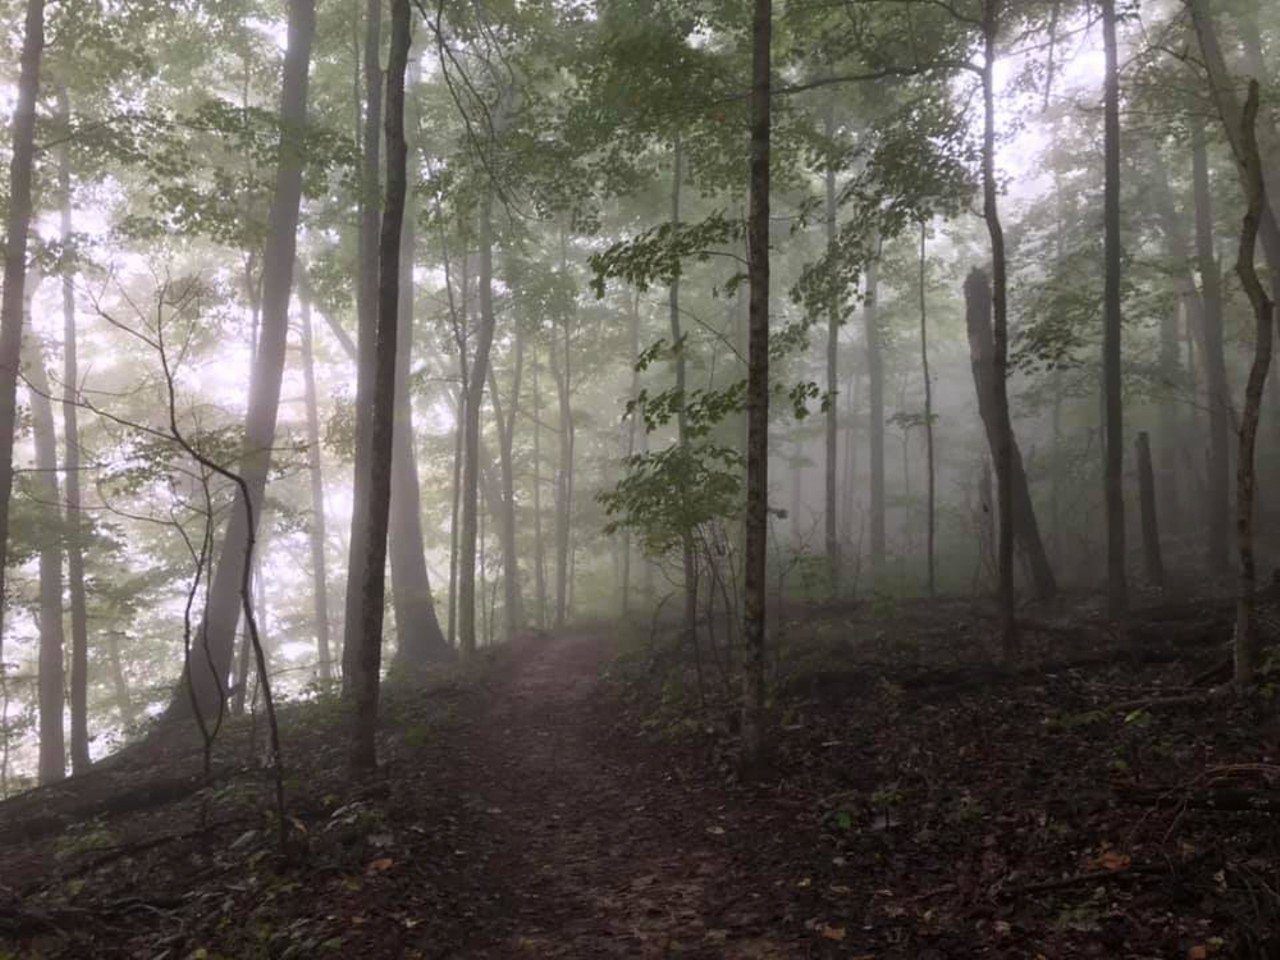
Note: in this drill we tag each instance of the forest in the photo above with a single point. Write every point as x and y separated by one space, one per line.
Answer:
639 478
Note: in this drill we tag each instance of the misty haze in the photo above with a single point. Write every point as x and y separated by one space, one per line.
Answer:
639 478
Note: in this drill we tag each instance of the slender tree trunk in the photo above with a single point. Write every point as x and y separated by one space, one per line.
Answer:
13 296
1117 586
513 612
688 557
833 356
209 667
1213 358
1223 90
1002 436
928 409
45 484
539 547
319 565
477 375
564 475
1020 513
455 490
1150 522
1246 633
875 413
634 423
368 659
755 734
420 639
366 334
78 607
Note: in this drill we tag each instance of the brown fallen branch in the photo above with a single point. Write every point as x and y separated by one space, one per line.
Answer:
1084 879
1217 800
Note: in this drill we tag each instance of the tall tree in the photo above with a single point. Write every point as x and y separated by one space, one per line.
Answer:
1210 316
13 297
368 659
209 667
832 426
755 733
1117 588
1002 437
420 639
366 327
44 482
74 520
928 413
474 396
319 565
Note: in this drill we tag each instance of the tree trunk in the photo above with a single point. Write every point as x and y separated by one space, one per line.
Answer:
1150 522
13 296
1246 632
74 520
1213 359
1223 90
928 410
319 565
513 613
539 548
1019 513
1117 586
560 371
755 734
1000 432
688 558
832 414
420 640
45 484
634 423
875 414
209 667
368 659
366 333
477 375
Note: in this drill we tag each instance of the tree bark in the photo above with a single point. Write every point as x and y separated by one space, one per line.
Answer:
513 612
368 659
1219 509
1117 586
688 558
832 424
476 377
539 547
1246 632
875 413
1150 522
44 483
74 520
561 372
13 296
319 564
634 423
1000 435
366 332
1222 89
756 740
928 412
420 639
994 410
222 613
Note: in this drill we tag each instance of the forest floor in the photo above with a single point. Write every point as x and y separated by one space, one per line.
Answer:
564 801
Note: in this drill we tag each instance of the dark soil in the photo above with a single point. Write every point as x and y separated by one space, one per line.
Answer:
558 804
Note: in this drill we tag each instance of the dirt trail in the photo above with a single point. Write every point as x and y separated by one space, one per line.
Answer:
606 853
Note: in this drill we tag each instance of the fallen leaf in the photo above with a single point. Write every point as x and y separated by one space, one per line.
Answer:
377 866
1198 952
832 933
